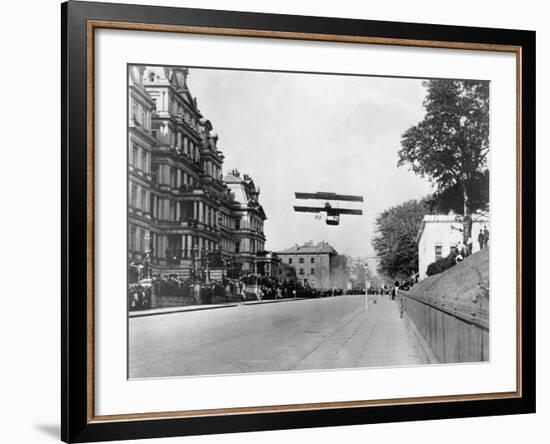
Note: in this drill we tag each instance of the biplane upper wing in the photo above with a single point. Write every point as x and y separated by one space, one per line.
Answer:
329 196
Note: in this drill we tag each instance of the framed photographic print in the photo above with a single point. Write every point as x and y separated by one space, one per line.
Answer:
275 221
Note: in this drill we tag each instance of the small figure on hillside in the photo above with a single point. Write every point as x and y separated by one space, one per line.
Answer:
486 235
469 246
461 249
481 239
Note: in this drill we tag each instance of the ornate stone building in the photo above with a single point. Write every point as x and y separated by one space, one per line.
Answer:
141 145
188 218
248 236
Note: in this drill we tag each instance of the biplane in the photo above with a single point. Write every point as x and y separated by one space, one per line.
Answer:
332 213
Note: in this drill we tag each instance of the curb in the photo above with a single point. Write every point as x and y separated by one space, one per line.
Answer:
182 310
137 314
276 301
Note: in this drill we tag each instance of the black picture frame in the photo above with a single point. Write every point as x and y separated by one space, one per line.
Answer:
77 423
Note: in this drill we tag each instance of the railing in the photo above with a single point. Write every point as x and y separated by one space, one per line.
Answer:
454 332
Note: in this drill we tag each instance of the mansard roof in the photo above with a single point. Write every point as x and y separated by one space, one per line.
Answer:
174 76
310 248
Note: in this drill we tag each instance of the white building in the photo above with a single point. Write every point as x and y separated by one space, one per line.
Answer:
439 232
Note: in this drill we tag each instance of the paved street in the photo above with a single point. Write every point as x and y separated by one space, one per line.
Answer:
292 335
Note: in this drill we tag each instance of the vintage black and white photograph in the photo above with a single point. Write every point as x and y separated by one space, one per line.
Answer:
293 221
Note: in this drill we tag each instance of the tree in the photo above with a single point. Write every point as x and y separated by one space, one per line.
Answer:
395 241
359 275
450 145
452 199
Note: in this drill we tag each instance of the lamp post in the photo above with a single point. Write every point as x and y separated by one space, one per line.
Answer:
148 255
195 258
366 286
207 264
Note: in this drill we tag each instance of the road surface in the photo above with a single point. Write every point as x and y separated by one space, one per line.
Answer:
326 333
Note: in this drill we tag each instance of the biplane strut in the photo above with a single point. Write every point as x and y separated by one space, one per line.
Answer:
332 214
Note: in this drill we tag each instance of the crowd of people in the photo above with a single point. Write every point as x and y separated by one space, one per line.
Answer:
458 253
391 290
483 238
247 287
139 297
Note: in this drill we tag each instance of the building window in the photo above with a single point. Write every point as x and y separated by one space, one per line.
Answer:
143 199
438 252
312 271
290 260
134 155
133 195
144 161
172 210
172 177
312 260
132 239
301 271
237 246
142 246
301 260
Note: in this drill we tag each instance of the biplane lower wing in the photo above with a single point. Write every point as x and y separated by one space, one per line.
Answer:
348 211
309 209
330 211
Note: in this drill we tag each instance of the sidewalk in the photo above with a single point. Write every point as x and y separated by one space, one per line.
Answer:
375 337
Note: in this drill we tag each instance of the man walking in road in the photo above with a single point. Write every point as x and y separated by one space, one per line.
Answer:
394 290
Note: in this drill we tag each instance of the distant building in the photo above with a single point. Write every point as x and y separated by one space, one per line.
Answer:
440 232
318 266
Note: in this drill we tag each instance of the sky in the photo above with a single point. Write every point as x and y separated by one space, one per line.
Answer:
315 132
